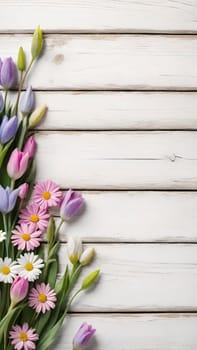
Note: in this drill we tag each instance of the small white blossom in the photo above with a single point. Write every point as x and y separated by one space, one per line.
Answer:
2 236
30 266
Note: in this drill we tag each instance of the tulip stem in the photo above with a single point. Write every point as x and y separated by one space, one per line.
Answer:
27 71
6 230
12 184
5 99
59 226
19 93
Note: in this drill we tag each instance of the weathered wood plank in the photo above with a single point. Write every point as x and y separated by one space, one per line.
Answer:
111 62
141 277
139 332
136 217
99 15
119 110
119 160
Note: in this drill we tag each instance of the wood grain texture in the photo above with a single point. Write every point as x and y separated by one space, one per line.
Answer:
119 110
136 217
140 277
139 332
99 15
111 62
119 160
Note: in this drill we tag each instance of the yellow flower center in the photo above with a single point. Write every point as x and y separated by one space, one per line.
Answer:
28 266
23 336
42 298
26 236
5 270
34 218
46 195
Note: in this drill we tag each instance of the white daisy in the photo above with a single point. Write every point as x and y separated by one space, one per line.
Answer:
8 270
30 266
2 236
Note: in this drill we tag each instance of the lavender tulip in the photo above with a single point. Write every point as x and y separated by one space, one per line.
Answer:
8 199
1 63
27 101
71 205
8 129
8 73
1 102
83 336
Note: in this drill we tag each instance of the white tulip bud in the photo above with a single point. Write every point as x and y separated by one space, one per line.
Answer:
74 249
87 256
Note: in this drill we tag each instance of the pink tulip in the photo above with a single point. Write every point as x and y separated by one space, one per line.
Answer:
17 164
19 290
30 146
23 190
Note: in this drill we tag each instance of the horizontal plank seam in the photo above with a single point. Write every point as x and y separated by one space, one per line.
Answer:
113 130
108 242
166 312
115 32
116 90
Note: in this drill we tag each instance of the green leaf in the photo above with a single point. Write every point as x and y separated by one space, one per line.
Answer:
50 336
4 324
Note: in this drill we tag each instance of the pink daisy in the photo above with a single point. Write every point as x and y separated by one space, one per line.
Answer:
23 337
34 215
47 194
42 298
25 237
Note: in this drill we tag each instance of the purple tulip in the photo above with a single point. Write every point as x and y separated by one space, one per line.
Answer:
8 129
27 101
83 336
8 73
71 204
18 290
1 102
8 199
1 63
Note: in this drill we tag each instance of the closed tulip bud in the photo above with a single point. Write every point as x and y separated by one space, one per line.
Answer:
71 204
18 290
37 116
27 101
83 336
8 73
8 199
23 191
74 249
90 280
21 59
30 146
87 256
8 129
37 43
1 102
17 164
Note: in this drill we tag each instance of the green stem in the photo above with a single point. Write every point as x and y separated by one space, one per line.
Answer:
6 230
12 184
71 300
19 92
5 99
27 71
23 133
59 226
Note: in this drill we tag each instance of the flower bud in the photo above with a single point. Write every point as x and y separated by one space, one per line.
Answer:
74 249
8 73
23 190
1 102
87 256
83 336
71 205
37 43
27 101
37 116
21 59
8 129
30 146
18 290
90 280
17 164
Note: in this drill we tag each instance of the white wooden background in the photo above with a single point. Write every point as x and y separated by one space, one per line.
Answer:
120 80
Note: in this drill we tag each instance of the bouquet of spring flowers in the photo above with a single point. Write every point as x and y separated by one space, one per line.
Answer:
34 302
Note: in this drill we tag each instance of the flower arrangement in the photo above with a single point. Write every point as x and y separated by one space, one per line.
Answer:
34 302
